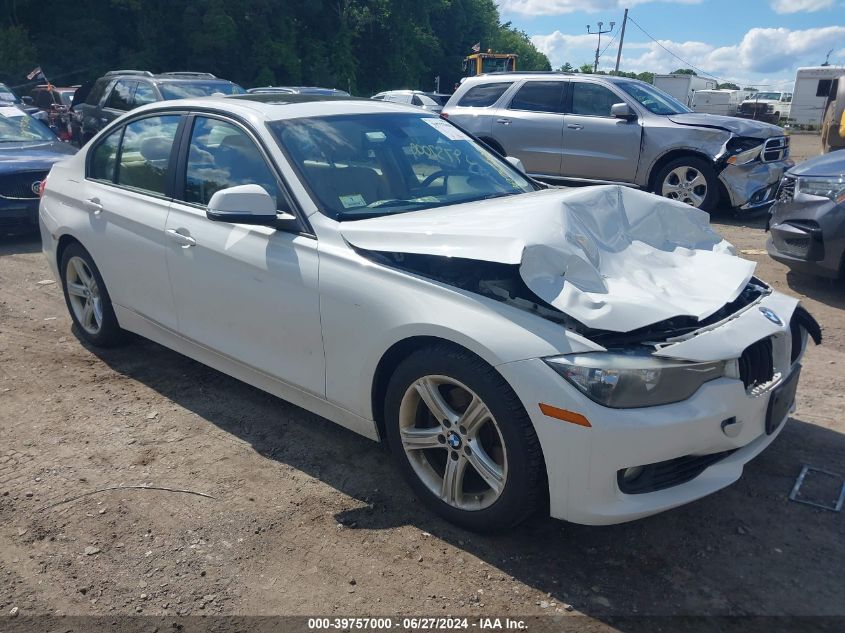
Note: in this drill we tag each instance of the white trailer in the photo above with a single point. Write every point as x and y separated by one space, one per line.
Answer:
683 87
812 85
724 102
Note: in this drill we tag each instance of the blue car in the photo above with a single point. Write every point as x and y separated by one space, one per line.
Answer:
28 149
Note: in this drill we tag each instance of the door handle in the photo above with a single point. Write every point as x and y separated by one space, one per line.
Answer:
185 241
503 121
93 205
575 126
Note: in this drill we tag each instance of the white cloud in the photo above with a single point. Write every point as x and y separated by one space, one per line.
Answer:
559 7
795 6
762 52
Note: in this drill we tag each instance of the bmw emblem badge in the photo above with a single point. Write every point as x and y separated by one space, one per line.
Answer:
771 316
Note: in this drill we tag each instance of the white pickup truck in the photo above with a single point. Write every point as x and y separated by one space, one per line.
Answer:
770 107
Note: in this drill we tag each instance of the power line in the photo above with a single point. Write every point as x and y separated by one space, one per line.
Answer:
681 59
704 72
612 39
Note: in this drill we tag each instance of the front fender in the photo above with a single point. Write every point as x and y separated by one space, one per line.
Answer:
366 308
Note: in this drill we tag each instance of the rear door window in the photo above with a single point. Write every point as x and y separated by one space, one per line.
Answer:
539 96
484 95
145 153
97 92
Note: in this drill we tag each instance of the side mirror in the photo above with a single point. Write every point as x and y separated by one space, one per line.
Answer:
28 100
516 163
247 204
622 111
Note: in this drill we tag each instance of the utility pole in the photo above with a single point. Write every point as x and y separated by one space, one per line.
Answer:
621 39
599 32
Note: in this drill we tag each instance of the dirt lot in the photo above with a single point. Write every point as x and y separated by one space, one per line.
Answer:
307 518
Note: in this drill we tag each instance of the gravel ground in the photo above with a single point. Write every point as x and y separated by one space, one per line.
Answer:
303 517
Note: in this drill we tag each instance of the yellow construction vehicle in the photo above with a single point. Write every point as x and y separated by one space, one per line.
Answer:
489 62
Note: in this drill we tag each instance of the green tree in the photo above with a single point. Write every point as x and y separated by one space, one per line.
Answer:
684 71
365 45
568 68
727 86
511 40
17 55
586 68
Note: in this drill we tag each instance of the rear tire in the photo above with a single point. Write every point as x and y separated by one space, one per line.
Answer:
690 180
88 299
477 461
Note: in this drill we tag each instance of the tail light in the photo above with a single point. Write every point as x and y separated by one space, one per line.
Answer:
41 187
444 115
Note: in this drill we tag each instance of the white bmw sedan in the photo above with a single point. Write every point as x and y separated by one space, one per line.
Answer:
598 353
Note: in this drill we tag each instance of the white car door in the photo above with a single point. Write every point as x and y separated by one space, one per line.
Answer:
126 199
249 292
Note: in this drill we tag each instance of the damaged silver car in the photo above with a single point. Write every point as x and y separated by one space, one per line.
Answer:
596 128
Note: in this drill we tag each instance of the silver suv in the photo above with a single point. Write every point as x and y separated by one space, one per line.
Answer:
612 129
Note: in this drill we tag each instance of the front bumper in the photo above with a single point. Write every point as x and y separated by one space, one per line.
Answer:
808 235
753 186
583 463
14 212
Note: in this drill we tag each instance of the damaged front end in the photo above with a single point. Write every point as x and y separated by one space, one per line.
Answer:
644 278
750 169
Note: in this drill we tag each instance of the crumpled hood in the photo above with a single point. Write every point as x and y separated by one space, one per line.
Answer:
612 257
24 156
740 127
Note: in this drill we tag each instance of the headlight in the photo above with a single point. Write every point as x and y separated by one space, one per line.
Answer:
742 150
833 188
637 380
770 108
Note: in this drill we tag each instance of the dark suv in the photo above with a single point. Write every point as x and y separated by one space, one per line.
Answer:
119 91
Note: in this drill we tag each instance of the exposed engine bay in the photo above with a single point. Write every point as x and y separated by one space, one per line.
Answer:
503 282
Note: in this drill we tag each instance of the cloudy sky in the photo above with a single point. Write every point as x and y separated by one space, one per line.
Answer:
759 42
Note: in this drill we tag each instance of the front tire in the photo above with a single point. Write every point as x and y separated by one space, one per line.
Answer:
463 440
690 180
88 299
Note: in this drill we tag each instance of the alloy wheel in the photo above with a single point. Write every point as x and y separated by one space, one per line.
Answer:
453 442
84 295
685 184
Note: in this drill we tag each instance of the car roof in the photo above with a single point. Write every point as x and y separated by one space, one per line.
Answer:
174 76
540 74
279 106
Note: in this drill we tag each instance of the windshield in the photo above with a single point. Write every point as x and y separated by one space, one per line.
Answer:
186 89
368 165
654 100
18 127
439 99
7 95
774 96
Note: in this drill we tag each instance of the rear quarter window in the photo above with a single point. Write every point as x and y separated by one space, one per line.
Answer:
97 92
484 95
